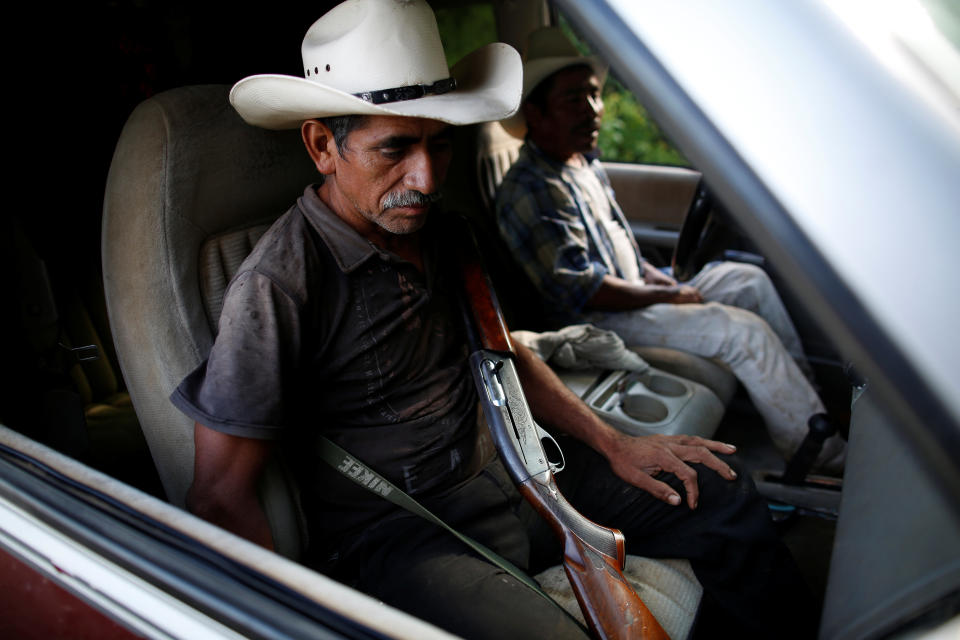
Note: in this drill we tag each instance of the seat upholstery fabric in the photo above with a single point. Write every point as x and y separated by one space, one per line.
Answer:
220 259
186 171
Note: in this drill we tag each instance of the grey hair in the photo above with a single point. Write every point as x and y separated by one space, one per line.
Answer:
341 126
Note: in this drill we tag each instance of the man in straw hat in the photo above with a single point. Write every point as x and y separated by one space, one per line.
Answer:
558 214
342 322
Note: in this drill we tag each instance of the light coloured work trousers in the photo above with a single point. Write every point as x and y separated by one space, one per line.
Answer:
744 325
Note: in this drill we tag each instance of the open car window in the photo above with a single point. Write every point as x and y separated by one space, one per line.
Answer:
839 171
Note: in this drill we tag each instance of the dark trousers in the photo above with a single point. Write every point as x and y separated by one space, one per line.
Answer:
752 588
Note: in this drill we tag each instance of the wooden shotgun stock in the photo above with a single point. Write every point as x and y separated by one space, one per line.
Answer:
594 556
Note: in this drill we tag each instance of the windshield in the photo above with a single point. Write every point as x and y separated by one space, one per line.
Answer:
919 40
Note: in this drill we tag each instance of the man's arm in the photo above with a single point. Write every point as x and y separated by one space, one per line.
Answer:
617 294
634 459
226 470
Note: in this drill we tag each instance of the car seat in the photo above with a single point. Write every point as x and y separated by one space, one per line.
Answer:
191 188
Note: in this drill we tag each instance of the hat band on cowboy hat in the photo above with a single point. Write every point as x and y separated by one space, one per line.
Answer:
410 92
361 46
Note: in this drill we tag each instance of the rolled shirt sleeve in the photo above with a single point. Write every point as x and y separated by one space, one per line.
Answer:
240 388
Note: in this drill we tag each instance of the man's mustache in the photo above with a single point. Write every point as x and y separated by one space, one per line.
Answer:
409 198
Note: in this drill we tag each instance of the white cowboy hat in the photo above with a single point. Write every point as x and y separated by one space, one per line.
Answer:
383 57
547 52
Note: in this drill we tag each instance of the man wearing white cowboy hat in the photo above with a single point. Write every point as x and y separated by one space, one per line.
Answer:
341 322
558 215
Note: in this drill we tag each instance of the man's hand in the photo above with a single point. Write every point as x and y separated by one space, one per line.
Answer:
617 294
638 459
634 459
652 275
685 294
681 293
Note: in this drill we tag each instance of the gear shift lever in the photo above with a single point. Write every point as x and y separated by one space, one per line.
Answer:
820 428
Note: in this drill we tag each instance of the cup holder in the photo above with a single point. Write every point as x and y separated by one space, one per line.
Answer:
665 386
644 408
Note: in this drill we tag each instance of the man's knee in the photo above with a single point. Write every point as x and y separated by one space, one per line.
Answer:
718 493
739 331
731 509
749 271
749 284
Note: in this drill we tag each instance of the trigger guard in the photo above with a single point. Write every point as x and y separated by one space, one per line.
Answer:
555 467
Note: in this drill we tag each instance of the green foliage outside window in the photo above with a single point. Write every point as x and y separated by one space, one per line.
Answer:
627 134
465 28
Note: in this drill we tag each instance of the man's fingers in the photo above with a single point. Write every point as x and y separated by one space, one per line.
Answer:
694 449
702 454
640 458
713 445
668 461
689 479
689 295
662 458
660 490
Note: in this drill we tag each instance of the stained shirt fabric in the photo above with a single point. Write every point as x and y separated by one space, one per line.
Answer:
324 333
544 216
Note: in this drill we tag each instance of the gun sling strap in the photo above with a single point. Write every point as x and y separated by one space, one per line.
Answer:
354 469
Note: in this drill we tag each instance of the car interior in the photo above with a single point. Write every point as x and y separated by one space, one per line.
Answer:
187 190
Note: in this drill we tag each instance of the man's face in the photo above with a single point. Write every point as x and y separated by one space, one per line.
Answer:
390 172
570 123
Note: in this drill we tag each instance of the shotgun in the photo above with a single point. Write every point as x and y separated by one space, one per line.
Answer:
594 556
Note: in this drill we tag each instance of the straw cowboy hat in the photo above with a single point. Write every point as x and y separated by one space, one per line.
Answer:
547 52
383 57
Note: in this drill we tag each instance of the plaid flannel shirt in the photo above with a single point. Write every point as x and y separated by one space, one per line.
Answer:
554 236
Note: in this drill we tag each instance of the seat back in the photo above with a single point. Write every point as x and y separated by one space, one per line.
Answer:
191 188
485 152
497 151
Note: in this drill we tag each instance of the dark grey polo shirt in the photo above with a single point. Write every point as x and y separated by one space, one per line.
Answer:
323 332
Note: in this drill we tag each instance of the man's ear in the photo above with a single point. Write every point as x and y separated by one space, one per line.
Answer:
318 138
532 114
